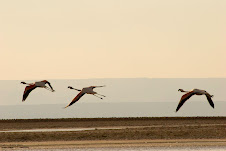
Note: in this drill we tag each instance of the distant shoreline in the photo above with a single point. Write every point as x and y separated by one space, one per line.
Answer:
118 118
106 129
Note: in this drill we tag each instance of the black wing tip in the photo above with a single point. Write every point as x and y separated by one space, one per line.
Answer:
24 98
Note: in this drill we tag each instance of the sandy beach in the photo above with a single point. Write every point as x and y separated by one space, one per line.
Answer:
115 143
113 132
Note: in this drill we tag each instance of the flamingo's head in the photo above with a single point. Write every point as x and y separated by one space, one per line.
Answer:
180 90
45 81
22 82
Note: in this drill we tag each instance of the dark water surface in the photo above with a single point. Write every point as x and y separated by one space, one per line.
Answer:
212 148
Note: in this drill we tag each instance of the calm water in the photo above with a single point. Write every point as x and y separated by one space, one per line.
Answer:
161 97
92 110
136 149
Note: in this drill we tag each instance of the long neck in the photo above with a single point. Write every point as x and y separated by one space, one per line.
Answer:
73 88
77 89
25 83
181 90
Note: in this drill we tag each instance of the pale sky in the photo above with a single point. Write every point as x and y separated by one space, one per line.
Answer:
76 39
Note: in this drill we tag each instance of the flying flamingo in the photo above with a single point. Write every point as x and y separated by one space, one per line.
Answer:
188 94
32 86
88 90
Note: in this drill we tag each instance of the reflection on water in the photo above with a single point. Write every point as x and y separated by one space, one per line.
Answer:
71 129
100 128
217 148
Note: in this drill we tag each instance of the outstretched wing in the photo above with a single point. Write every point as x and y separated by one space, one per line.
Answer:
76 99
208 96
27 91
96 86
183 99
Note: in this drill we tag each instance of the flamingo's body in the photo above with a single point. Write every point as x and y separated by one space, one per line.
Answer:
88 90
32 86
188 94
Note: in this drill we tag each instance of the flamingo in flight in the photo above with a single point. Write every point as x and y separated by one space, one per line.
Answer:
32 86
88 90
188 94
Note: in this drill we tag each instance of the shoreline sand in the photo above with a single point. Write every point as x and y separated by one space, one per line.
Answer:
115 143
113 132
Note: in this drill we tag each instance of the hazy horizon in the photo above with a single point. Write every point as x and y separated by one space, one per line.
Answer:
116 90
131 97
108 110
142 50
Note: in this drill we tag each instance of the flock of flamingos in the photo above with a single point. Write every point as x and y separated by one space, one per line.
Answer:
89 90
